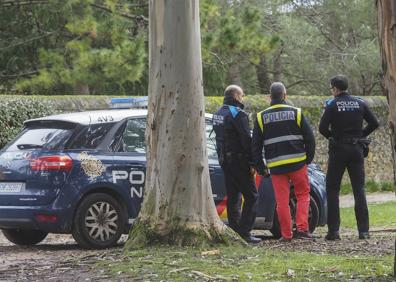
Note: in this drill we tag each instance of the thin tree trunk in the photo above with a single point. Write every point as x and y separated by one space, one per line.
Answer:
178 206
387 37
263 79
277 64
234 74
81 89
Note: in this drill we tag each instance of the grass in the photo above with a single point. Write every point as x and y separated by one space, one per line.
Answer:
263 263
381 215
247 264
371 187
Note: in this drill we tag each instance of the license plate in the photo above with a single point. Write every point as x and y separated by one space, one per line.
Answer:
11 187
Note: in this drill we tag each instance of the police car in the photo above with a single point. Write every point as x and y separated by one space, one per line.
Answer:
84 173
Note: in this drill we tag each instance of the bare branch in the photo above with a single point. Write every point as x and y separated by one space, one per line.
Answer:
12 76
300 81
28 41
125 15
13 3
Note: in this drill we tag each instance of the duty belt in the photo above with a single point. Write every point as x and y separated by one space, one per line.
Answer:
236 155
350 140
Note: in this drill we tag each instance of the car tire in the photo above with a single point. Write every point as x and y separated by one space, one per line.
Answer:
24 237
99 222
313 217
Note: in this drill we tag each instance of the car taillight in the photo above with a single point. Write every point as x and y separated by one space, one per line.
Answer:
64 163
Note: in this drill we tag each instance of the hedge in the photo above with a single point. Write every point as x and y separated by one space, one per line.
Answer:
16 109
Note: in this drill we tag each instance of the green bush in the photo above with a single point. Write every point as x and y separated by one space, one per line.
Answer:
15 110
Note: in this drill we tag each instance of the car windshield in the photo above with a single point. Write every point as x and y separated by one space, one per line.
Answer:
49 138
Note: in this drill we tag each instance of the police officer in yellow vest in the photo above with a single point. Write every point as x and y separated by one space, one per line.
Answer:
289 145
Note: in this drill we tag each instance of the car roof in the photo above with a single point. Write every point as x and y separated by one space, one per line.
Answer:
95 117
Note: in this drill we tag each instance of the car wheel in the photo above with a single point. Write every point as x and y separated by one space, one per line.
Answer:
99 222
313 217
24 237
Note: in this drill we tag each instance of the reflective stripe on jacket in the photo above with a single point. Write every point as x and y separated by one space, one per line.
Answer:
283 141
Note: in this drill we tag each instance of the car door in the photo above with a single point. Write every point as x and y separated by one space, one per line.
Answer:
216 172
92 165
129 165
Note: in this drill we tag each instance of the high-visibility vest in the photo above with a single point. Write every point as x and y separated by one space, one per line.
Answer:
282 135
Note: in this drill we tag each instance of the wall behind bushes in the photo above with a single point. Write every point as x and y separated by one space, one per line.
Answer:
379 166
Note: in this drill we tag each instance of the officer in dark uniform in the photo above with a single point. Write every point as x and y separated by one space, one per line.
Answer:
342 124
233 142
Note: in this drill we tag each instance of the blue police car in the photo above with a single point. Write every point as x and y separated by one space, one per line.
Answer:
84 173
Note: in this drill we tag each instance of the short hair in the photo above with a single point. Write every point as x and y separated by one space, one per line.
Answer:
231 90
277 90
340 82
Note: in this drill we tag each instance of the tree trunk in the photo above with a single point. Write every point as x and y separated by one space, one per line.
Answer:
81 89
387 37
263 79
178 206
277 64
234 74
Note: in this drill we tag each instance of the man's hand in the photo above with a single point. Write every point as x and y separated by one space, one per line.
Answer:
252 171
264 172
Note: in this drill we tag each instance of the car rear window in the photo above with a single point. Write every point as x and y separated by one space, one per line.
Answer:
48 138
91 136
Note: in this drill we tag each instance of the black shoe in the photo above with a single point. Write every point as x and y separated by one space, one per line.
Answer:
251 239
284 240
303 235
364 235
333 236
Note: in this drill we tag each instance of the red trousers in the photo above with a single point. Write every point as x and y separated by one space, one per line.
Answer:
282 193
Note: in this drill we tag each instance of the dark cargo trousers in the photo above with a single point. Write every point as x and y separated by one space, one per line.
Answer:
350 157
238 180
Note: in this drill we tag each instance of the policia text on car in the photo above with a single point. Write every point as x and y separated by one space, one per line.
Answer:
233 146
289 145
342 124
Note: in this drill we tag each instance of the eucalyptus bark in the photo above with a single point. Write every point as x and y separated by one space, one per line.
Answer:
387 37
178 206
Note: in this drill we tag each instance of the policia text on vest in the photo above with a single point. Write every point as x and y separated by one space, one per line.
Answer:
289 145
342 124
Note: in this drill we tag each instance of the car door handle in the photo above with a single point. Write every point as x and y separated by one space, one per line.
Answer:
137 165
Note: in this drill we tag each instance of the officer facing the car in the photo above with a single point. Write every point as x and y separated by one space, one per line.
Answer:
342 123
289 145
233 143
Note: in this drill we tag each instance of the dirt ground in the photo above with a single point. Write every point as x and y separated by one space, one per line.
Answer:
58 258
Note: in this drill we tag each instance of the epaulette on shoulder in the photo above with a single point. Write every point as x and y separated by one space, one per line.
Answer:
359 98
328 102
234 110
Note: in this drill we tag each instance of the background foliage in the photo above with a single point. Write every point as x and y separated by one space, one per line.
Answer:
100 46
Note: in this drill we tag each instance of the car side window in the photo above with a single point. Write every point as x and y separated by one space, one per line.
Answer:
91 136
210 140
132 139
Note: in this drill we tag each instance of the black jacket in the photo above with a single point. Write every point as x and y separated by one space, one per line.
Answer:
343 118
286 137
231 125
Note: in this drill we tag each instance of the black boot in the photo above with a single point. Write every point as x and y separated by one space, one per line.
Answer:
333 236
364 235
250 239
